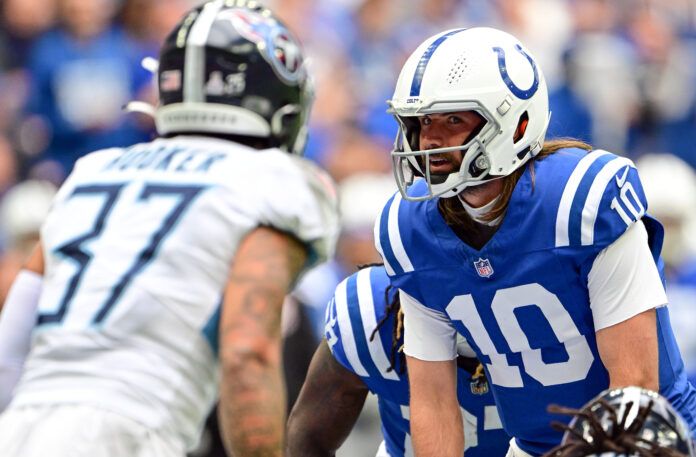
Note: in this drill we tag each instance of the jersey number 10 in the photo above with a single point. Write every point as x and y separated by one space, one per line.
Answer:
505 301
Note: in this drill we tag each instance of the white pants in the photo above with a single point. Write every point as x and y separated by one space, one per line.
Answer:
515 451
77 431
382 451
408 451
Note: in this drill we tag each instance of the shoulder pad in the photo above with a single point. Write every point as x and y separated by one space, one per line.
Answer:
601 199
388 239
95 161
85 168
351 317
302 201
406 240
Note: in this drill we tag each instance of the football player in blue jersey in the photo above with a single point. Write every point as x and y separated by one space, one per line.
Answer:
540 253
361 355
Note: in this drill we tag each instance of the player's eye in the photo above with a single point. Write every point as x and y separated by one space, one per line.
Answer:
425 120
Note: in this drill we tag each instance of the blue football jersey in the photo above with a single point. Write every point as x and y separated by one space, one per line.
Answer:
360 302
522 301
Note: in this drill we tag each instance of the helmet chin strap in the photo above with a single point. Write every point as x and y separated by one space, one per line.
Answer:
457 180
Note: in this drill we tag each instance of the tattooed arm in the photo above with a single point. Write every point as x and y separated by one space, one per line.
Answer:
252 391
329 404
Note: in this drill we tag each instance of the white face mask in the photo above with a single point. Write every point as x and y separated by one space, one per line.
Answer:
478 213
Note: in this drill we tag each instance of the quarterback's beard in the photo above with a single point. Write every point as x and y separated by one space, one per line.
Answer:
473 192
452 163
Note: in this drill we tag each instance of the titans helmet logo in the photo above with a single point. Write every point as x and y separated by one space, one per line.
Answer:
274 42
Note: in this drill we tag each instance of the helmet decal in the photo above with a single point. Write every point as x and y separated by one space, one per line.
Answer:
423 63
285 55
273 40
519 93
170 80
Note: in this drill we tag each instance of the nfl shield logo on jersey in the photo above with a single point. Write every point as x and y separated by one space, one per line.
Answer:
479 382
483 267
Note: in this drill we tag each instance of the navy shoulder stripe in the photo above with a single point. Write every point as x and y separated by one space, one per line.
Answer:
582 195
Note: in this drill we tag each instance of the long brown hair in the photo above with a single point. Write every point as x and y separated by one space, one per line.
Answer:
397 360
455 214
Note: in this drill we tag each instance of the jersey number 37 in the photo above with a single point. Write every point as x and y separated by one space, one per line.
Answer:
76 251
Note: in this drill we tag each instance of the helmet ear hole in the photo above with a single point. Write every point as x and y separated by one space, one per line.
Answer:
289 127
521 127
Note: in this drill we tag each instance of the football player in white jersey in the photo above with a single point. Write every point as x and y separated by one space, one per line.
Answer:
155 256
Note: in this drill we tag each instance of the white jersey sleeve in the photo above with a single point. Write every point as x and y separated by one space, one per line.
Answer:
302 200
624 280
428 335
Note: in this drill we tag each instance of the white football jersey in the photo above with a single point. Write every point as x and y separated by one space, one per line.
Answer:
137 247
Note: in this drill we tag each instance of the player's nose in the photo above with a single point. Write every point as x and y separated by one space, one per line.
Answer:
432 139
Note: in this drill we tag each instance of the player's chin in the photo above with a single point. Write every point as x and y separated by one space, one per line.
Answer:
438 178
442 169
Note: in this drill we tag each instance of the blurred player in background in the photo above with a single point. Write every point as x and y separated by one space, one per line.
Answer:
361 354
624 422
22 211
540 253
159 260
670 187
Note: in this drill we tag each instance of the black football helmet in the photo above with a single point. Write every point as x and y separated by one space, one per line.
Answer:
231 68
630 421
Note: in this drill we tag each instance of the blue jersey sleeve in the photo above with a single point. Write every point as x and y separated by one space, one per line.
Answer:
400 241
621 203
614 201
602 197
352 315
388 240
336 341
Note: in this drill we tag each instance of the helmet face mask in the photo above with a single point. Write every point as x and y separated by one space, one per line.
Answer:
407 153
230 68
482 70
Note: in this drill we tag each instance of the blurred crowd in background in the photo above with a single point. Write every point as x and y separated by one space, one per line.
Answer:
621 74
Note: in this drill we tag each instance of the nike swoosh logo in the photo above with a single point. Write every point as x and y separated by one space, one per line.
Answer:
621 181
